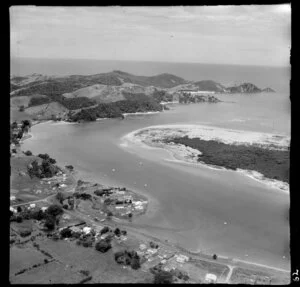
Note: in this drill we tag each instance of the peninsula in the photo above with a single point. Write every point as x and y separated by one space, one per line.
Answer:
109 95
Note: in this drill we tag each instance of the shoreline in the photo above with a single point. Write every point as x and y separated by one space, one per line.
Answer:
151 137
81 175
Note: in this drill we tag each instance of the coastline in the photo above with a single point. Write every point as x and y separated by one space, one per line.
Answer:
80 175
151 137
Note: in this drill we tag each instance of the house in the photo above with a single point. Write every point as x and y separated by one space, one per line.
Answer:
75 229
32 205
210 278
12 197
13 209
87 230
143 246
181 258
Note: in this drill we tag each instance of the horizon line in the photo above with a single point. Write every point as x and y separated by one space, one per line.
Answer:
149 61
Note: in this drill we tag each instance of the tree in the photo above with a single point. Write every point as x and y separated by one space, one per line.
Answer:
50 222
215 257
104 230
135 263
28 153
19 209
59 196
21 108
44 156
117 232
14 125
66 233
54 210
163 277
26 124
103 246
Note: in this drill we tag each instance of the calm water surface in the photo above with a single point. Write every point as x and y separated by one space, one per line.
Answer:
220 212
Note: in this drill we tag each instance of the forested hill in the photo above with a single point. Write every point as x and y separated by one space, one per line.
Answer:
46 96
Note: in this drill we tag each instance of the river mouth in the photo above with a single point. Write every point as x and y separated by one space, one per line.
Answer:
199 208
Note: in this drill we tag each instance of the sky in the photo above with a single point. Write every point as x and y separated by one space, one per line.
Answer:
237 35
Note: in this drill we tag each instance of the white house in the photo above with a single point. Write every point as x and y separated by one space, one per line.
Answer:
210 278
182 258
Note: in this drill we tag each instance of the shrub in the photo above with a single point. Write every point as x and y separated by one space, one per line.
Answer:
85 272
103 246
54 210
50 222
21 108
66 233
163 277
117 232
44 156
25 232
60 197
105 229
55 237
135 263
153 245
109 213
215 257
38 215
65 206
70 167
19 219
123 232
28 153
87 242
19 209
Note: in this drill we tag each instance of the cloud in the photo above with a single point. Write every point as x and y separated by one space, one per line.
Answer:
152 33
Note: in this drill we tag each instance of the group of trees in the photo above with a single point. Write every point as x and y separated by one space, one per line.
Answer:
50 216
161 96
116 109
36 101
46 169
271 163
128 258
189 98
16 132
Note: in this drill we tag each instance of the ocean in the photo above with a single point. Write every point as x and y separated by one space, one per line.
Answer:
274 77
201 209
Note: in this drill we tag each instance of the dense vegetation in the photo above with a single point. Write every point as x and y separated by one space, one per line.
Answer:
187 98
162 96
16 132
45 169
50 216
272 164
13 87
73 103
36 101
116 109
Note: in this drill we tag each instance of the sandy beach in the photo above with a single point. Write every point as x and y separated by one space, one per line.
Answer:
151 137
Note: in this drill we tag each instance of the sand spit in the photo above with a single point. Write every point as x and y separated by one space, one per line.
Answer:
151 137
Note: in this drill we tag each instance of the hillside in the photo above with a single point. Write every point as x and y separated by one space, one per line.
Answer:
209 85
244 88
268 90
56 96
105 94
